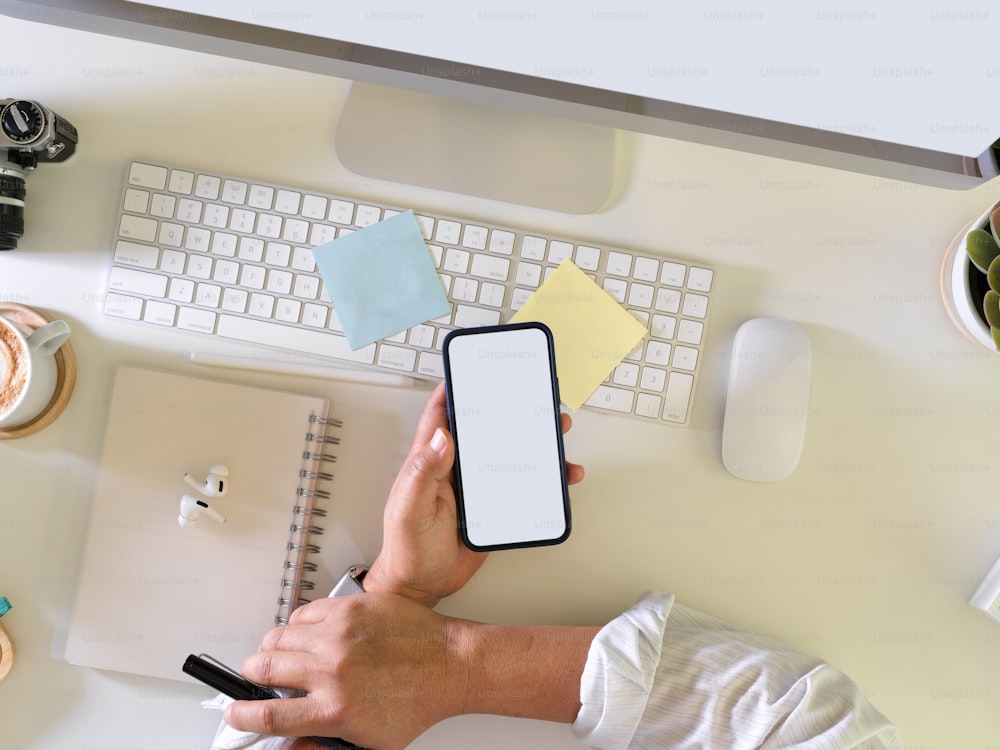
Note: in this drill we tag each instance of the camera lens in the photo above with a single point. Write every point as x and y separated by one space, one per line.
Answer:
11 210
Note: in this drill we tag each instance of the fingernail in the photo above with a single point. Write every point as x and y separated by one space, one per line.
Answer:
439 441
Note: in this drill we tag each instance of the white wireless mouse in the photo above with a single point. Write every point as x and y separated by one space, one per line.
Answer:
767 403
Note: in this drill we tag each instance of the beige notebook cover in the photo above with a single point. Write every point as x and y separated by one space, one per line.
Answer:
150 591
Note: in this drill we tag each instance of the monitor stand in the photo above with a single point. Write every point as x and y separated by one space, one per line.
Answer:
476 149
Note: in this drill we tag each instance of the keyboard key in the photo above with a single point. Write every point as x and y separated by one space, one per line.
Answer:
448 232
138 282
341 212
208 295
640 295
123 306
619 264
261 197
652 379
136 201
426 224
261 305
588 258
195 319
501 242
314 315
216 215
474 237
672 274
134 254
159 313
663 326
646 269
367 215
492 294
456 261
679 385
617 288
469 317
288 310
314 207
137 228
422 336
465 290
147 176
234 191
207 186
431 365
658 353
689 332
224 244
700 279
489 267
181 181
163 206
235 300
242 220
181 290
189 210
615 399
559 251
695 305
287 202
528 274
533 248
626 374
668 300
397 358
685 358
648 405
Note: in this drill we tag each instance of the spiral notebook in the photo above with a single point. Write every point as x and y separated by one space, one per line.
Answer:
151 591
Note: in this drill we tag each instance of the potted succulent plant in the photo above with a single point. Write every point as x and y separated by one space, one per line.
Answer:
983 249
970 279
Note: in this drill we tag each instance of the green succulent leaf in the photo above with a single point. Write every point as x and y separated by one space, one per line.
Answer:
991 309
993 274
982 248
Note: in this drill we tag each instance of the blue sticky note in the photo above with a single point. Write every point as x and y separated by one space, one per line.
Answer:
381 280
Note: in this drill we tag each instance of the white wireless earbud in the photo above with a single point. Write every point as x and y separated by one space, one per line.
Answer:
192 510
216 484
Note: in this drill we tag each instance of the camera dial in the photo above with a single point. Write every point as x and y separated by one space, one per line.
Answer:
23 122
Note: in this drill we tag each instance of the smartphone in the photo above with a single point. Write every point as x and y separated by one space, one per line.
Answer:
503 410
228 681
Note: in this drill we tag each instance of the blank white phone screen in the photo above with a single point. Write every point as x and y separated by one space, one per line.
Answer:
508 437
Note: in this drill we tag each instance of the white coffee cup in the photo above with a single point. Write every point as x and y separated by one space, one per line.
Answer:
28 372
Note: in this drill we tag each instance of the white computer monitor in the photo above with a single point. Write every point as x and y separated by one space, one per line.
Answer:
897 90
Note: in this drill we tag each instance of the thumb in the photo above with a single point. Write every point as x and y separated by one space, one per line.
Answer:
428 464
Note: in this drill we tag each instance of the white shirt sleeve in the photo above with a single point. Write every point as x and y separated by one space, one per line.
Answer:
664 676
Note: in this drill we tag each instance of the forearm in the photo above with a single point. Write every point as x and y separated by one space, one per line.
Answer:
523 671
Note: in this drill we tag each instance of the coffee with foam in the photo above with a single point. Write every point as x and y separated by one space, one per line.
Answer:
13 369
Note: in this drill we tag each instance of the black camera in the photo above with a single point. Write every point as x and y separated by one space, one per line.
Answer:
30 134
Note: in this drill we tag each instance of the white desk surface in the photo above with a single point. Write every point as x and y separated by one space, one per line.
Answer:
866 556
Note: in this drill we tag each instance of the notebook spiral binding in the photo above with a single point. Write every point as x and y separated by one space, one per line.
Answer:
302 531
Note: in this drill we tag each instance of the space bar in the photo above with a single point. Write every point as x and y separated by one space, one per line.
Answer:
324 344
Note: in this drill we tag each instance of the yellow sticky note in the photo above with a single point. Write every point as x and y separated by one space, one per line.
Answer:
592 332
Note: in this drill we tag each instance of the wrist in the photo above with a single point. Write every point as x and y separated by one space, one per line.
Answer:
379 580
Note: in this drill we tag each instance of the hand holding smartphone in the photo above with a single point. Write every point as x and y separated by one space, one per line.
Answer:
503 410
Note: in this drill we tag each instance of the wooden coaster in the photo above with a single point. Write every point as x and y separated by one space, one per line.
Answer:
6 653
32 319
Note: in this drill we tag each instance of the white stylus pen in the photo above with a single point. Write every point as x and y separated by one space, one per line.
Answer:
302 369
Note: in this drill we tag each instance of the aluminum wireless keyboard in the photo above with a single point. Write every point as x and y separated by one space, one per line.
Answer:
227 256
